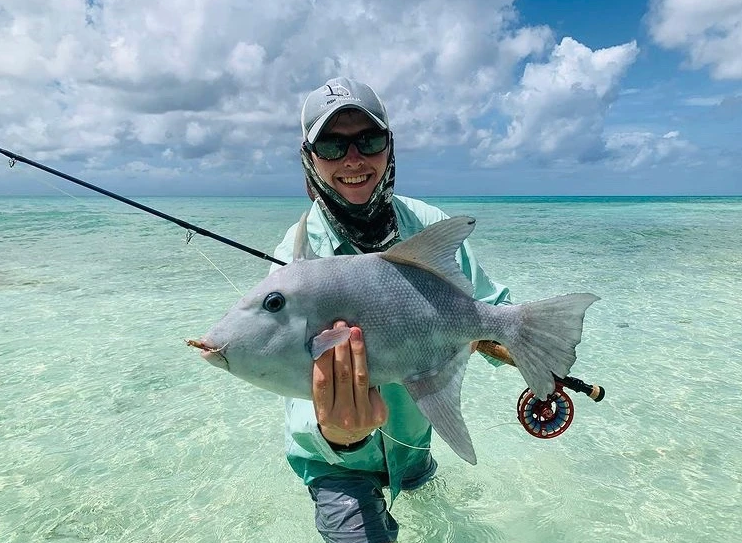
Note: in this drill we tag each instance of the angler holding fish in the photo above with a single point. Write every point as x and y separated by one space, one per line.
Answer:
370 347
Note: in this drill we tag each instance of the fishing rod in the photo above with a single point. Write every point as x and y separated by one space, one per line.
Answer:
542 419
183 224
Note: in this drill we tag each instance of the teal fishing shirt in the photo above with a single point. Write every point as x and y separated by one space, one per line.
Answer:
307 451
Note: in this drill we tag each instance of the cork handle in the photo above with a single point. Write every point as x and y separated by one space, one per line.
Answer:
495 350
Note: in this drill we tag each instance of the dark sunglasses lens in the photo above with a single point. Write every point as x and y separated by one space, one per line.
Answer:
331 148
370 144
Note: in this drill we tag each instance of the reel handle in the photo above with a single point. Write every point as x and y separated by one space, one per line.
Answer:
495 350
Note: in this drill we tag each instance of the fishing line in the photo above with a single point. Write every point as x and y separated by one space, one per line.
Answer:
191 229
183 224
430 448
189 237
52 186
405 444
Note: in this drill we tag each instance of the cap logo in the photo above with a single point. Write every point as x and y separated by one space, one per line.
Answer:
337 90
335 93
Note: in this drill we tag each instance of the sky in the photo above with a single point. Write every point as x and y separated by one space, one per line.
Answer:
485 97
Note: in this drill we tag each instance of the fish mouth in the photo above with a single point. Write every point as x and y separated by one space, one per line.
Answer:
213 355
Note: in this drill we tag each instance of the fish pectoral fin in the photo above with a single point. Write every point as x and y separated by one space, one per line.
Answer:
438 396
327 340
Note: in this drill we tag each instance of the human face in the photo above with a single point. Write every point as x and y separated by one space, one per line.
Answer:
354 176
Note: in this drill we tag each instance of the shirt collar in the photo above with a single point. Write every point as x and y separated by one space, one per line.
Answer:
320 231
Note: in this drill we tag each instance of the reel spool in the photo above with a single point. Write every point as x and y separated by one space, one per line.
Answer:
546 419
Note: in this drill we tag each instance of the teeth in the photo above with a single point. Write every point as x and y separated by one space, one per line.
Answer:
354 180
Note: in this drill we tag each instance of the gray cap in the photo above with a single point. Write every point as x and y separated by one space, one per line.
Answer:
335 95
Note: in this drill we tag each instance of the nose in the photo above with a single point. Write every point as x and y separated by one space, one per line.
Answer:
353 158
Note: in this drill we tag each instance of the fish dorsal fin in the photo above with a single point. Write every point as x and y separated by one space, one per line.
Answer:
434 250
302 249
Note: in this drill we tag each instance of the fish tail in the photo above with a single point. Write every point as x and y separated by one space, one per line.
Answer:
543 340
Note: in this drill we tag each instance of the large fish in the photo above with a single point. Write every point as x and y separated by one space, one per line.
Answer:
418 318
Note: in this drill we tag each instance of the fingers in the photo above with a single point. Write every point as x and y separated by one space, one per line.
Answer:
370 409
360 369
343 378
323 386
347 410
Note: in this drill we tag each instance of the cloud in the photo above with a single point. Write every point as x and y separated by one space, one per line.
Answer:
702 101
196 89
199 78
558 110
708 32
632 150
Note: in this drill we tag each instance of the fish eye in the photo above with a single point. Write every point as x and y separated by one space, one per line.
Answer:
274 302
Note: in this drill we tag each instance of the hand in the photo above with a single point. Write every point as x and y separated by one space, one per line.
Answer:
347 410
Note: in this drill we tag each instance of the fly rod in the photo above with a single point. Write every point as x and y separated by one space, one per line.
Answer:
183 224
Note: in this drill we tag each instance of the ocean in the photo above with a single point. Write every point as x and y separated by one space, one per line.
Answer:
113 430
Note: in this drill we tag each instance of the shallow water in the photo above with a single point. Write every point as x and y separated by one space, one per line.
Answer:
113 430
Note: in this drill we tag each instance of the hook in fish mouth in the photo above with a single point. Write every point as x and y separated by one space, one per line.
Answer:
213 355
204 347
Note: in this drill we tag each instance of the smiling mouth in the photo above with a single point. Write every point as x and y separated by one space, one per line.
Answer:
355 180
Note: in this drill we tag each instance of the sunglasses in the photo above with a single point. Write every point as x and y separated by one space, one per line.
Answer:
335 146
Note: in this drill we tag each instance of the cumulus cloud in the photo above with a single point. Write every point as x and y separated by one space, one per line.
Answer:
179 87
558 109
199 77
708 32
631 150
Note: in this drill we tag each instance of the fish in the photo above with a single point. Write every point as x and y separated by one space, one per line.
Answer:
415 307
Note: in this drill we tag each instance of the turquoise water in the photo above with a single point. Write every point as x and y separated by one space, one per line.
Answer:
112 430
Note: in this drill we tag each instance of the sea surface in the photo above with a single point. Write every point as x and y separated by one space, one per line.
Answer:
113 430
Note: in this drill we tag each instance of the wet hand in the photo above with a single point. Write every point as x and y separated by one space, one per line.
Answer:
347 409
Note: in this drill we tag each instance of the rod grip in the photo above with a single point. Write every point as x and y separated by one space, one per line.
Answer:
495 350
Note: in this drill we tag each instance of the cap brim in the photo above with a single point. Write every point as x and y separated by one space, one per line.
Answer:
320 123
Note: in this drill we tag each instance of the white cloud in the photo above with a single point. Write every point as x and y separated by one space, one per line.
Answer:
138 167
246 63
709 32
558 110
190 84
702 101
632 150
104 76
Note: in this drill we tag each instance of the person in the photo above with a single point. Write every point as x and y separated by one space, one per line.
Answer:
351 441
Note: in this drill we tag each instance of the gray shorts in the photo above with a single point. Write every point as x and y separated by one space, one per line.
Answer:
351 508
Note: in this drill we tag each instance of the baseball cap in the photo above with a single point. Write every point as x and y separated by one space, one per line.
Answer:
335 95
